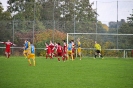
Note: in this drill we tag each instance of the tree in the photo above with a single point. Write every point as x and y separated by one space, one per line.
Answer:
5 21
130 19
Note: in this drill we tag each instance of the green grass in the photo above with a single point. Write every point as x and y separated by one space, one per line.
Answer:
87 73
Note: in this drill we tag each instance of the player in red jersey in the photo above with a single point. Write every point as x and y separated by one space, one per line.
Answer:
55 49
48 51
73 49
51 45
64 50
8 46
59 52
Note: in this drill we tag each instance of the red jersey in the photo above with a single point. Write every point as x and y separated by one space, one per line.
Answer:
8 44
48 49
51 45
65 48
59 50
73 47
55 47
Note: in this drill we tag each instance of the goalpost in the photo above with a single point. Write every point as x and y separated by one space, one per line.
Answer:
113 45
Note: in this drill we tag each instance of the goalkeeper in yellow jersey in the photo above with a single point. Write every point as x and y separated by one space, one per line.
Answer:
97 50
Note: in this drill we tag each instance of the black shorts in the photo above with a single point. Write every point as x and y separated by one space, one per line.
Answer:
97 51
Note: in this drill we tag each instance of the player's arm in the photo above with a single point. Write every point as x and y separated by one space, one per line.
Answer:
14 44
1 42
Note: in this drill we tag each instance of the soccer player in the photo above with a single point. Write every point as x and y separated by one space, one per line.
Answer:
25 48
69 52
48 51
8 46
55 49
73 48
79 48
51 45
64 50
97 50
31 54
59 52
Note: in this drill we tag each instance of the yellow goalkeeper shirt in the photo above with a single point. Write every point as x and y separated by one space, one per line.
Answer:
79 44
97 47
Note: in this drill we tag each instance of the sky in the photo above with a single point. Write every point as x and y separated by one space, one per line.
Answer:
107 9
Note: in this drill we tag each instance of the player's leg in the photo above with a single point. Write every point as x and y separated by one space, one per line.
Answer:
33 58
73 53
9 54
79 52
29 59
34 62
69 55
50 55
62 56
65 56
95 54
72 56
6 54
46 55
25 54
101 55
58 57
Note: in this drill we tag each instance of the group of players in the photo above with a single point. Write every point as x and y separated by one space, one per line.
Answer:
29 50
66 52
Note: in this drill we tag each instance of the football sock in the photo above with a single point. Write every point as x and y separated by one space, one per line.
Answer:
34 62
58 59
25 55
72 58
95 56
46 56
29 61
8 55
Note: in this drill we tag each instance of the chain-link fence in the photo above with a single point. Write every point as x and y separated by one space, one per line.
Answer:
47 21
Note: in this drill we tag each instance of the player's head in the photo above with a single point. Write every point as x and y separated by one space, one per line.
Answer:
8 40
58 43
64 40
25 41
70 41
78 39
95 42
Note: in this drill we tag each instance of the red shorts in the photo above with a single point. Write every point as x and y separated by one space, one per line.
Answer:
59 54
73 50
64 53
48 51
8 50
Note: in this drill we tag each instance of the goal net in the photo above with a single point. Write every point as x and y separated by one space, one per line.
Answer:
113 45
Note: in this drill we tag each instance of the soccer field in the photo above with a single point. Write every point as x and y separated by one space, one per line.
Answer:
86 73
